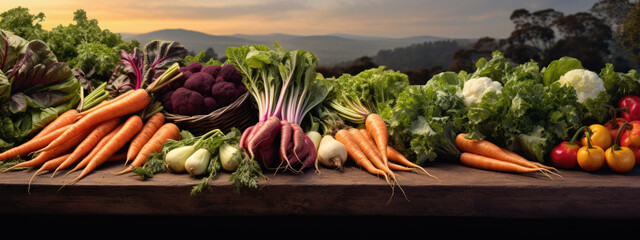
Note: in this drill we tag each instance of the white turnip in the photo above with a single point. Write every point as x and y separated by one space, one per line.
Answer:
331 153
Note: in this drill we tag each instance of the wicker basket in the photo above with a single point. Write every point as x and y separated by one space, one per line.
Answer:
239 114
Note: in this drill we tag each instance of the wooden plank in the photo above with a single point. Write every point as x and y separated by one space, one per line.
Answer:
459 192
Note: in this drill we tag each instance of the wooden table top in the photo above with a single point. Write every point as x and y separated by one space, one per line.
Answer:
459 191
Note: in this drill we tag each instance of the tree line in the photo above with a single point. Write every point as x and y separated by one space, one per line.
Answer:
609 32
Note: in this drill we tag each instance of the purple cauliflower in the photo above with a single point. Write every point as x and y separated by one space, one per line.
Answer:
187 102
231 74
200 82
242 88
194 67
213 70
210 104
225 93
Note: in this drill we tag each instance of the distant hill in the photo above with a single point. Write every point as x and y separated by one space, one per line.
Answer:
330 49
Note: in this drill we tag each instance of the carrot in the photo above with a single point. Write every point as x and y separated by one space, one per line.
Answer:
378 129
150 127
488 149
90 142
155 143
354 151
368 138
32 145
64 119
94 151
48 166
370 151
129 129
395 166
395 156
52 164
135 101
47 155
104 103
524 159
488 163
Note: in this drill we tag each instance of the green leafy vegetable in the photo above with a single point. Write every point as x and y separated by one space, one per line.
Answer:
355 96
34 88
424 120
559 67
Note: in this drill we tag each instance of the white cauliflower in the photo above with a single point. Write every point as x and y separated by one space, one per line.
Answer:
586 83
475 88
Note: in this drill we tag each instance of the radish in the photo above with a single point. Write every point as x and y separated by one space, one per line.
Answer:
285 86
286 131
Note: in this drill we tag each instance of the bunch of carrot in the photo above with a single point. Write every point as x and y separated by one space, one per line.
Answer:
486 155
91 138
369 148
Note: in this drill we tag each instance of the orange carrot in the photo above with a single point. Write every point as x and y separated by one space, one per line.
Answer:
378 130
48 166
524 159
32 145
370 151
129 129
45 156
354 151
66 118
133 102
90 142
159 138
488 149
104 103
395 166
150 127
368 138
488 163
52 164
93 152
398 157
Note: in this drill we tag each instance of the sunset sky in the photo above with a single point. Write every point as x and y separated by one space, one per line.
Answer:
388 18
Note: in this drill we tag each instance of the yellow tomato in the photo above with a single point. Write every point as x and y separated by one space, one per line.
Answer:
620 159
591 159
600 136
